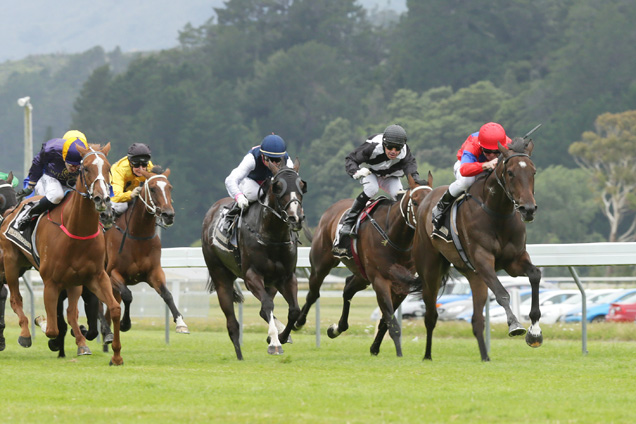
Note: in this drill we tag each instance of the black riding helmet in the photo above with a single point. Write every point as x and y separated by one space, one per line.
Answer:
394 136
139 153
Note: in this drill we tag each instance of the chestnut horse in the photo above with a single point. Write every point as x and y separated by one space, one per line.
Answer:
383 248
133 248
267 244
7 201
71 245
490 225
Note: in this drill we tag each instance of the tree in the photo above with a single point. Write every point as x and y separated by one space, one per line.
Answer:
608 155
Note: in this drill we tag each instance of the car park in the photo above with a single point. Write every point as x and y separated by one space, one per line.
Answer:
597 311
552 314
623 311
548 300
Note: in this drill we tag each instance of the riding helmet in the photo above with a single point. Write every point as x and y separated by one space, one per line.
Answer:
70 154
394 135
139 151
273 146
490 134
73 134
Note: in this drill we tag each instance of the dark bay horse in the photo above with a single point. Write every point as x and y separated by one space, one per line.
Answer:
70 242
7 201
133 248
491 228
267 245
384 251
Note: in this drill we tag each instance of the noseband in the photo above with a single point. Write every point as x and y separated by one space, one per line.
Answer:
89 190
280 211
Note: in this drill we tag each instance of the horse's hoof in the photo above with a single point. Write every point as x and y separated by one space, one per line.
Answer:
125 327
183 329
298 327
111 363
534 341
105 348
83 350
83 330
108 338
54 346
40 321
275 350
332 331
516 329
24 341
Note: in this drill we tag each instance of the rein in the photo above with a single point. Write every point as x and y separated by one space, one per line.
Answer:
89 190
285 219
147 200
502 181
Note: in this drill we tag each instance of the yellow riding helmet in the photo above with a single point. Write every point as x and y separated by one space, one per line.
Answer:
73 134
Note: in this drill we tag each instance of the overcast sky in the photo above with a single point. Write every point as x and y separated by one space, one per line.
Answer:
33 27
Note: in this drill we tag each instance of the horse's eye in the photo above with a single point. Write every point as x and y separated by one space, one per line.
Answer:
511 174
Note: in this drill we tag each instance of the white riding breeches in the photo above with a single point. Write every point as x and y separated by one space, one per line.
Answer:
372 183
51 188
461 183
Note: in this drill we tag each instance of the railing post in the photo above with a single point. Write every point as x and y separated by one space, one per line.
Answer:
583 310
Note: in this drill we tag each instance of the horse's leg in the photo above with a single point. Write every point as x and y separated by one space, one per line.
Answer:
103 288
480 297
322 261
382 289
534 337
225 293
255 283
353 285
57 344
104 318
72 314
12 275
51 297
4 293
289 291
382 327
157 280
91 308
431 266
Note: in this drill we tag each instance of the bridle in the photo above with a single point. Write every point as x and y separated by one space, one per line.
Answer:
502 181
88 194
409 215
279 210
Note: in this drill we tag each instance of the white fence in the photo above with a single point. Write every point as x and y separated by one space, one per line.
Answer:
185 265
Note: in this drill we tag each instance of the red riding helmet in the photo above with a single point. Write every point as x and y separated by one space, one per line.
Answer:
490 134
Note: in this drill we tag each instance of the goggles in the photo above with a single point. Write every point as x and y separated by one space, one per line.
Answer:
136 163
492 152
393 146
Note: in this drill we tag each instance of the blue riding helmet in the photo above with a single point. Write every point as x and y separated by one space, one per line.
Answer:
273 146
70 154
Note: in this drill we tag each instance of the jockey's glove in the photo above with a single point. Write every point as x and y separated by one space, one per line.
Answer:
362 172
135 192
242 201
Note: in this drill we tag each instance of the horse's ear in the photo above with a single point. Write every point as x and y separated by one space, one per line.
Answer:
296 164
10 177
166 173
82 151
106 149
411 181
503 149
271 167
529 147
430 179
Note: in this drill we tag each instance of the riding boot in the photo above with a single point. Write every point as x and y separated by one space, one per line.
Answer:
42 206
230 216
442 207
348 225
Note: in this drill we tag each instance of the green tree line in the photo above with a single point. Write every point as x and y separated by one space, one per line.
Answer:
324 74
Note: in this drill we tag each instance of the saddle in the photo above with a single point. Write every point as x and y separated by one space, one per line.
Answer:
344 247
448 231
25 240
225 234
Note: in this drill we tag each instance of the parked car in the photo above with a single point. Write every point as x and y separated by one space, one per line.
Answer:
597 311
623 311
550 315
548 300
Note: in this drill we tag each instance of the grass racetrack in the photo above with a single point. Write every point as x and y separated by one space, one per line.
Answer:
196 378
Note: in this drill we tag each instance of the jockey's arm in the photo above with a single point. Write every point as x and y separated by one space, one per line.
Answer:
238 174
119 183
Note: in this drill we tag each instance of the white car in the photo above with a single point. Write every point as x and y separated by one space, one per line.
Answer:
412 307
552 302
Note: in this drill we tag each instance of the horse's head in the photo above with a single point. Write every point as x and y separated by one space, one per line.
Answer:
8 198
157 195
94 181
418 190
285 195
515 173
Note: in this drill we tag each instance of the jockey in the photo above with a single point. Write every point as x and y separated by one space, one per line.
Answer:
53 172
246 179
388 158
479 153
126 179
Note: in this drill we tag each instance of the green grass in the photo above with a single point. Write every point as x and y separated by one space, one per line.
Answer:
196 378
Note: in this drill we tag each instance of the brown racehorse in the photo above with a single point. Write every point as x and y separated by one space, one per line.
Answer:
71 245
384 249
133 248
268 253
7 201
491 228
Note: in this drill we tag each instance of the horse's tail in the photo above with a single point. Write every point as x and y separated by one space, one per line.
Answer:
307 232
237 296
408 282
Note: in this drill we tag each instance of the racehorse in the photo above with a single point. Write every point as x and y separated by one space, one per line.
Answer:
7 201
267 245
133 248
490 224
70 243
383 249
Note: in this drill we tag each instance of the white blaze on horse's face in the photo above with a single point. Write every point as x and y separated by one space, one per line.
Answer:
294 207
523 164
162 186
100 163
